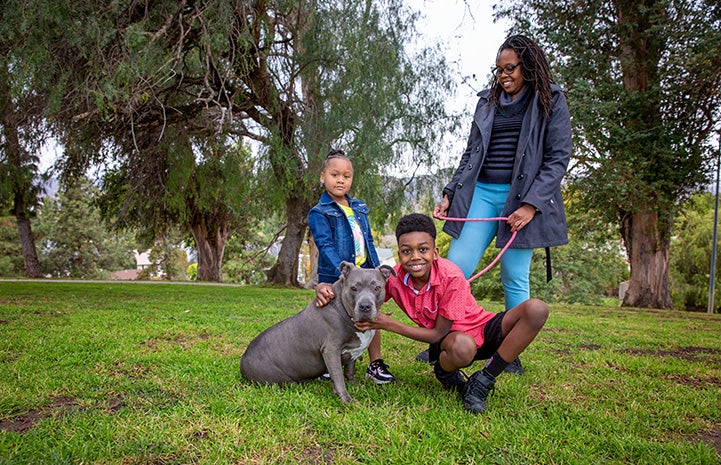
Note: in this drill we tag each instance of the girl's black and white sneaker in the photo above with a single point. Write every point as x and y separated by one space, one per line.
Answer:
378 372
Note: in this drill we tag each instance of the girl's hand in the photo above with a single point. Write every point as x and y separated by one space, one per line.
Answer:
323 294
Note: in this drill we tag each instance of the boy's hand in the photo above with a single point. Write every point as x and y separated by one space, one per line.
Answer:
380 323
323 294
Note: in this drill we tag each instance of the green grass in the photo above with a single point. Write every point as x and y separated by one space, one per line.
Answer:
132 373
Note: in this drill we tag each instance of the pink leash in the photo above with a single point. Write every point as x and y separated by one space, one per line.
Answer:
503 250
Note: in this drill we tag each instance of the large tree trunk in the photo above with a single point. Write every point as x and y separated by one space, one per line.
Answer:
210 239
285 270
27 239
647 242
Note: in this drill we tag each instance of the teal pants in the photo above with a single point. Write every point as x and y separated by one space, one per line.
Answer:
466 251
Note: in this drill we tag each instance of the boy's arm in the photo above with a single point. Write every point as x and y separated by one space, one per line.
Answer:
430 335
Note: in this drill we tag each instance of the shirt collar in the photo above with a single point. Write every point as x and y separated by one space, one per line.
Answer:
407 281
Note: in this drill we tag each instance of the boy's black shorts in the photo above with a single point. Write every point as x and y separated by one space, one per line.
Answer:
492 339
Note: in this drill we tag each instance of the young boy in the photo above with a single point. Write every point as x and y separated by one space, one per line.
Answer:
435 294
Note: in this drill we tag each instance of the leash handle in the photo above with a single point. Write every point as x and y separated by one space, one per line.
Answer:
503 250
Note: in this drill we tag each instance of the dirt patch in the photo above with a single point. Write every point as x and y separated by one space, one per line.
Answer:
29 419
184 341
691 354
57 406
712 438
317 455
589 347
693 381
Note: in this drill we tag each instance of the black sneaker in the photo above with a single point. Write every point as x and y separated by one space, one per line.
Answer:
515 367
324 377
450 380
476 392
423 356
378 372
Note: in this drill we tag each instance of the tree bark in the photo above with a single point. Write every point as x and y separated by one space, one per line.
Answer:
285 270
647 242
27 240
312 278
210 239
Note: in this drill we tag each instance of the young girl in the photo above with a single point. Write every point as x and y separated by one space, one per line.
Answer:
340 229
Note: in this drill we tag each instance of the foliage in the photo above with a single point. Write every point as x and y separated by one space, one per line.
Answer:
168 257
192 272
644 90
602 385
11 259
690 252
246 263
145 83
75 242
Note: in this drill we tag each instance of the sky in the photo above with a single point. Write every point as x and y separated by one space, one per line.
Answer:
471 39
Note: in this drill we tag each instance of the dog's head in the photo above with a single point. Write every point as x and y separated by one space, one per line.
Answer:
364 289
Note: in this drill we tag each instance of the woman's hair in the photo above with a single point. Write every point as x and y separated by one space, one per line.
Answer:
534 68
415 222
334 153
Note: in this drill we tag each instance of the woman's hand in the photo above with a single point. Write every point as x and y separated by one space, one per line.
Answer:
442 207
521 217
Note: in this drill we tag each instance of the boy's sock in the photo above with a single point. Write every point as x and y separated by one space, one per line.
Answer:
495 365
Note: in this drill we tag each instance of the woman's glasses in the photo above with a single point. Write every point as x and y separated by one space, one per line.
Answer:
508 69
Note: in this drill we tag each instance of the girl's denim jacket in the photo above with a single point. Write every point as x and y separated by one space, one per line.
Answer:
334 239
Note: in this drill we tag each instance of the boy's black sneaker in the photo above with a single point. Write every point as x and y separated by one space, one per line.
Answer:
423 356
379 373
476 392
450 380
515 367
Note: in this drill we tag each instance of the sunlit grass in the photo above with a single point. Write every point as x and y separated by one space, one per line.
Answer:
148 373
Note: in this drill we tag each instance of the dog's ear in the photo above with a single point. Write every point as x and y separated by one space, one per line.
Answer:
346 267
387 271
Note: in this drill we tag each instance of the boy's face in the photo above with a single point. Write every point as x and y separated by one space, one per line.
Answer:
416 251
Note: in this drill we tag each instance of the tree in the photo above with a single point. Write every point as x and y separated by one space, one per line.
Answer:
644 87
75 242
21 107
206 186
297 77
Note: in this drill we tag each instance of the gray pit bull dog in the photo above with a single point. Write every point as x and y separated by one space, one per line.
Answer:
315 340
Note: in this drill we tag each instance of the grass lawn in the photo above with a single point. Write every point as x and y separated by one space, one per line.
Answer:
131 373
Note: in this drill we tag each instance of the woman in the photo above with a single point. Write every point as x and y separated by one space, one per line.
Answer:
517 154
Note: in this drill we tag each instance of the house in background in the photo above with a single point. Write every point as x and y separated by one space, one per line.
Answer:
142 261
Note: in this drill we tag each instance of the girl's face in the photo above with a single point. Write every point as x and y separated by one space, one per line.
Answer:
337 177
512 82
